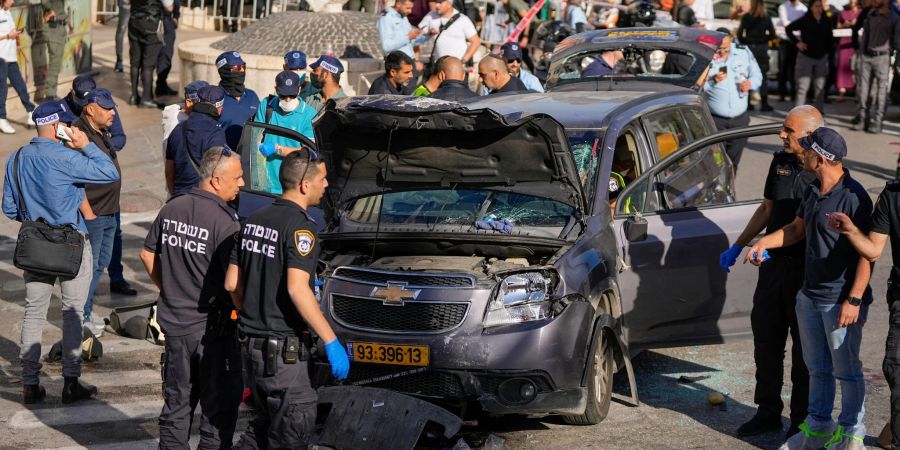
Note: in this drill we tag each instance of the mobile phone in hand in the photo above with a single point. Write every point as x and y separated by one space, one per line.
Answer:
61 133
723 69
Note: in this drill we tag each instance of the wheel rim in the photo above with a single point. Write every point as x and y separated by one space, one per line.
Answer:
601 377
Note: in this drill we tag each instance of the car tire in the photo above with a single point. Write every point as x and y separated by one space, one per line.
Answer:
600 380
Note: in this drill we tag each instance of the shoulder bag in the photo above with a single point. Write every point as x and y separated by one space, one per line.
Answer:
44 248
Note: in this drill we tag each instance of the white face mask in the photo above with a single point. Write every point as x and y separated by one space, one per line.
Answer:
302 74
289 105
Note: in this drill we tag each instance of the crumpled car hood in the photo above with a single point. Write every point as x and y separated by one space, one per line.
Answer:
377 144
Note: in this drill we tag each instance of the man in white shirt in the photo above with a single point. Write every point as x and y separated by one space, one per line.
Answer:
9 68
176 113
788 12
454 33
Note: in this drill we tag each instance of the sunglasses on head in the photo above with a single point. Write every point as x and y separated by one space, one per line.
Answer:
311 157
226 153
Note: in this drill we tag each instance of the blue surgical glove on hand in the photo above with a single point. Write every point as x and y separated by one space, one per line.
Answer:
729 257
765 255
267 149
337 357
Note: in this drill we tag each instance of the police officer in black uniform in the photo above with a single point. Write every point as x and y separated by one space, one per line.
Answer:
272 276
144 46
186 253
780 278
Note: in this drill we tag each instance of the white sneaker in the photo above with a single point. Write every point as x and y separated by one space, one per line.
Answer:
807 439
92 325
30 121
844 441
5 127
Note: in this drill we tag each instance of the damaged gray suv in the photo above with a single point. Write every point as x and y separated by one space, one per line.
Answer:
472 255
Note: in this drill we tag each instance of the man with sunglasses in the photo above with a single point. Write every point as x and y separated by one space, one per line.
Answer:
285 110
495 76
240 103
186 253
512 53
271 277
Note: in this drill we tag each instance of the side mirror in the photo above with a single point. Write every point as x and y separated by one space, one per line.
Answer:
635 228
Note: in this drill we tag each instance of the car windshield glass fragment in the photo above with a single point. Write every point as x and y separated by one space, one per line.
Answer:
631 62
458 207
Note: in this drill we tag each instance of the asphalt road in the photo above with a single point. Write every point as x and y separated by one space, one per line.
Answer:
672 414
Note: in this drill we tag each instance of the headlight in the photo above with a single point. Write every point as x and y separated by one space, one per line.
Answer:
521 297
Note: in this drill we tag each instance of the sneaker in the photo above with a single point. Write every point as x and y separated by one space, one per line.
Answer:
33 393
74 390
122 287
806 439
30 120
5 127
874 128
119 67
844 441
91 325
759 424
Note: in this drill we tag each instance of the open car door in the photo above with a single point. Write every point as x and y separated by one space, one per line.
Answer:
261 184
674 56
672 223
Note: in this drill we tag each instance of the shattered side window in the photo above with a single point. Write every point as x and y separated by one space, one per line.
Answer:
586 151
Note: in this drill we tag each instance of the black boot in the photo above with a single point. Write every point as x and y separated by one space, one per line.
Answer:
33 393
759 424
74 390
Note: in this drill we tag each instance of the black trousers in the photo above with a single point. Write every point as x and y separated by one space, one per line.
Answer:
143 51
164 61
772 318
285 402
200 368
761 53
786 61
734 147
891 367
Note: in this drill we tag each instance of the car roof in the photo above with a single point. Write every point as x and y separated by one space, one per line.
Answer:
577 109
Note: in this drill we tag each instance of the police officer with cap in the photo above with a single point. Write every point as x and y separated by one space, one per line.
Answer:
295 61
186 253
191 138
240 103
77 98
326 79
512 53
271 277
144 46
286 110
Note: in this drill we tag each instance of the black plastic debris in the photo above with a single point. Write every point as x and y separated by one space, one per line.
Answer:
371 418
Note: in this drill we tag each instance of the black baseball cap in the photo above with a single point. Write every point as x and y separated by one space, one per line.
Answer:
82 86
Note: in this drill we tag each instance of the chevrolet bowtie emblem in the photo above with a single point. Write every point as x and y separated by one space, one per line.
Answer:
395 293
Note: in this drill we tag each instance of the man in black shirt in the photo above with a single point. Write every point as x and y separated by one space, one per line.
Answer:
271 278
144 46
453 81
186 253
101 201
495 75
881 35
832 306
814 46
780 278
886 222
398 71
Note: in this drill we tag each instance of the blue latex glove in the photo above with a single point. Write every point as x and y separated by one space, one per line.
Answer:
337 357
765 255
267 149
729 257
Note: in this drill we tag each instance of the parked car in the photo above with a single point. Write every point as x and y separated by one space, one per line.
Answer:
433 301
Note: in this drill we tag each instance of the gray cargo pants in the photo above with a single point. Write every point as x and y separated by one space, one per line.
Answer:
811 71
38 291
874 72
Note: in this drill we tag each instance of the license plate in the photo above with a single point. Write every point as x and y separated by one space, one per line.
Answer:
394 354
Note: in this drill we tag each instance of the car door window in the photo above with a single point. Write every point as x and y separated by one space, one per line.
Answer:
697 179
586 152
260 171
699 127
667 132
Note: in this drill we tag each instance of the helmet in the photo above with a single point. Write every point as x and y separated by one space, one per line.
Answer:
645 14
551 33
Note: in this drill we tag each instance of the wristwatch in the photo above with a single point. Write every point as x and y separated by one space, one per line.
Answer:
855 301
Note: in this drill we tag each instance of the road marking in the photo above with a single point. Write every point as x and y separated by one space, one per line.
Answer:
94 412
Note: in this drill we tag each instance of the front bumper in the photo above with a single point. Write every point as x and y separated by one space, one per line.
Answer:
534 367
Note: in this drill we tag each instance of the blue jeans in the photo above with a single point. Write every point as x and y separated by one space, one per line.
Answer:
115 269
832 353
10 70
102 231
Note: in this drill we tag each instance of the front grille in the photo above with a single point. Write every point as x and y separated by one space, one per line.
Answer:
426 383
412 280
372 314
